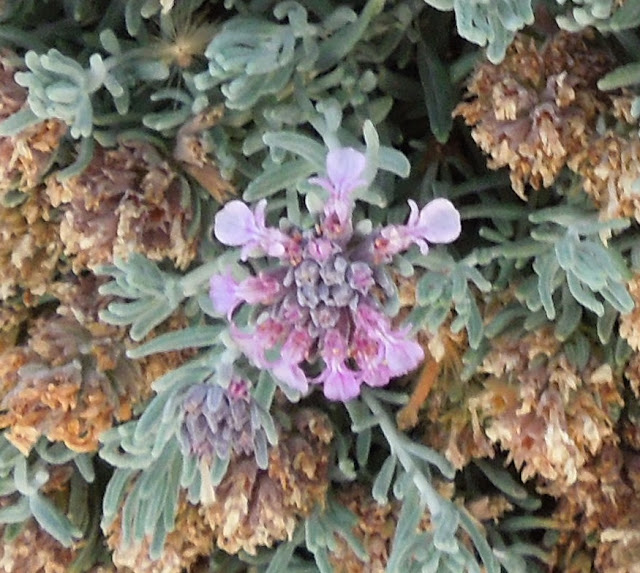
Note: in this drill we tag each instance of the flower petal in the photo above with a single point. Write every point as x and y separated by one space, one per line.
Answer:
344 169
402 355
341 384
439 221
235 224
290 374
223 291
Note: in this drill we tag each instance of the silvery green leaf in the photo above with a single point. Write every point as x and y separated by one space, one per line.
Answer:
438 91
473 528
583 295
52 520
617 295
193 337
18 122
410 516
491 23
301 145
363 447
277 178
605 323
546 267
17 512
340 43
382 483
570 315
578 350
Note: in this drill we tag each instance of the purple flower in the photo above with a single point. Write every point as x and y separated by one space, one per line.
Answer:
235 225
218 422
320 319
223 291
294 351
345 167
226 293
340 382
399 353
437 222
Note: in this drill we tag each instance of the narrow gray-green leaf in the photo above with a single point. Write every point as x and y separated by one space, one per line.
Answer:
194 337
438 92
276 178
52 520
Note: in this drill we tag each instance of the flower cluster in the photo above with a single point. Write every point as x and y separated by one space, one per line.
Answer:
537 109
218 422
61 385
320 302
128 199
256 507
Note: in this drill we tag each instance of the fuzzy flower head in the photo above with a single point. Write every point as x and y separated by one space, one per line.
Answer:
538 108
219 422
320 319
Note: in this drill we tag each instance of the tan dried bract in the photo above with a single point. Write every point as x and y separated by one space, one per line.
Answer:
30 248
610 168
255 508
127 200
548 415
630 322
26 156
193 153
375 528
190 539
60 385
538 107
597 517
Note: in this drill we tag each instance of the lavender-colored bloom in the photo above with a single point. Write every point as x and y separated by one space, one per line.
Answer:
340 382
235 225
345 168
320 310
437 222
226 293
219 422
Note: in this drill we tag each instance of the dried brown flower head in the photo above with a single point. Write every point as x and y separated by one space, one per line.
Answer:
375 529
254 507
127 200
30 248
597 516
24 157
447 422
630 323
191 538
13 314
60 385
537 108
34 551
610 167
548 415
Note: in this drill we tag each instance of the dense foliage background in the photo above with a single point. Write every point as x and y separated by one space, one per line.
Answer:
362 386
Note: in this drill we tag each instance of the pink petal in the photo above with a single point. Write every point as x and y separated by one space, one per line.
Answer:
341 385
263 289
291 375
235 224
223 291
402 355
439 221
344 169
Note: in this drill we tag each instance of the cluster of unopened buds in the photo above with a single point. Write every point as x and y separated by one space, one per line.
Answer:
320 317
